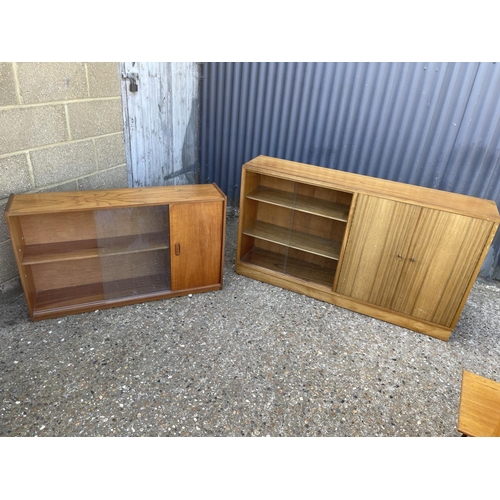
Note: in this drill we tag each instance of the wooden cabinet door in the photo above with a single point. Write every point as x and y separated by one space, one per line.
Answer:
411 260
378 239
196 238
439 265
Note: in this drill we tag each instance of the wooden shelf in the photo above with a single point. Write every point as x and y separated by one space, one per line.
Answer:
293 267
87 249
294 239
301 203
98 294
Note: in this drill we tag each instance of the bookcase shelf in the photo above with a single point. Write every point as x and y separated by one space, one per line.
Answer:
297 268
91 249
301 203
294 239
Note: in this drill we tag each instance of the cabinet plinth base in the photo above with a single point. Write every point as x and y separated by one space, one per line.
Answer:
319 292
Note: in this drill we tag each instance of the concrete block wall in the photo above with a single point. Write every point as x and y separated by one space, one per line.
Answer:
61 129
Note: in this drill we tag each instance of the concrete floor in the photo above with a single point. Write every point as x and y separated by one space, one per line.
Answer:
249 360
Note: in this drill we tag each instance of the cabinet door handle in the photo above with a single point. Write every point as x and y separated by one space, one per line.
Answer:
177 249
412 259
400 256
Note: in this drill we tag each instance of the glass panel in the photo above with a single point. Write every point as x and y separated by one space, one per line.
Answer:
295 228
133 245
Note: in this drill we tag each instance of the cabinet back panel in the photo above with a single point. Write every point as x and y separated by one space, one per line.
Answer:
272 214
133 265
276 183
66 274
324 194
301 221
117 267
131 221
318 226
286 252
272 247
312 258
277 253
52 228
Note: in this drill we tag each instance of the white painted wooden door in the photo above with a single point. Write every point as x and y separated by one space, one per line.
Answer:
161 122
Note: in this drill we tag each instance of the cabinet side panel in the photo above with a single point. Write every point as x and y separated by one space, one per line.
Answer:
196 244
18 247
353 201
475 274
247 213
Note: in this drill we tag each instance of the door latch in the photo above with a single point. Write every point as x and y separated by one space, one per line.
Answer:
133 77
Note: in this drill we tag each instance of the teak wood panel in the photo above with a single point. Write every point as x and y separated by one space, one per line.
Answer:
65 274
58 227
321 227
308 204
248 213
135 221
379 237
87 249
294 239
196 244
298 268
79 201
479 410
412 260
19 249
439 266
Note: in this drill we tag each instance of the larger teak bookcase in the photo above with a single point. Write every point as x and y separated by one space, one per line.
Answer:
400 253
87 250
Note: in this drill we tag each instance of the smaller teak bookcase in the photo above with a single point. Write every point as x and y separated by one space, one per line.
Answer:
87 250
404 254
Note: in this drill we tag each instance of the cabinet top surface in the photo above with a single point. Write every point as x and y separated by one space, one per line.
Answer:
357 183
73 201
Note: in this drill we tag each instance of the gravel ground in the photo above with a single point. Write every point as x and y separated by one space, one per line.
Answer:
249 360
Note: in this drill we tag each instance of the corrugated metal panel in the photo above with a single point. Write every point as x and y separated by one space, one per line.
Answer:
430 124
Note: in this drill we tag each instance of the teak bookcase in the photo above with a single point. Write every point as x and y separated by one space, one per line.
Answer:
400 253
87 250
